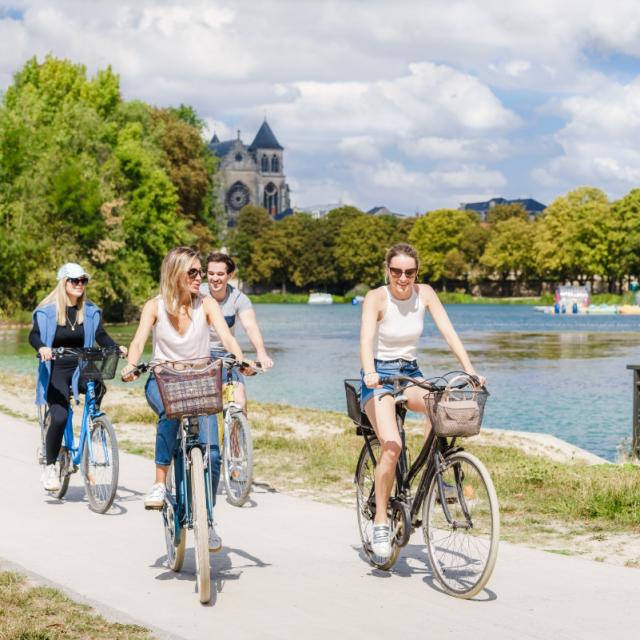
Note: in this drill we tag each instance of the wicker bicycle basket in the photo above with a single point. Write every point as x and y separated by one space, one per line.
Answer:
456 412
98 364
190 387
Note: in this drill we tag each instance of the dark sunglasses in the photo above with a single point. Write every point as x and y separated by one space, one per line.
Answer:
76 281
192 274
396 273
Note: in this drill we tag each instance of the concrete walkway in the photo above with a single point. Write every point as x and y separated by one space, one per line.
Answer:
290 568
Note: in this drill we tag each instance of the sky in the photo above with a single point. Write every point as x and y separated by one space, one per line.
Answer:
415 105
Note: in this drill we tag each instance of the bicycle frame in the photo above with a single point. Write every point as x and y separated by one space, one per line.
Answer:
89 413
430 458
188 438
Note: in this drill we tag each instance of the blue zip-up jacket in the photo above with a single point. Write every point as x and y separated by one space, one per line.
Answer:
46 319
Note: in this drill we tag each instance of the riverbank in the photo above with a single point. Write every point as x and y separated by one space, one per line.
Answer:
553 495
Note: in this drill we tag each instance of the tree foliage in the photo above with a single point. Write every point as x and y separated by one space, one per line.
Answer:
87 176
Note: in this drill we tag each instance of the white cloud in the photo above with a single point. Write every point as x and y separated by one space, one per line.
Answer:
430 91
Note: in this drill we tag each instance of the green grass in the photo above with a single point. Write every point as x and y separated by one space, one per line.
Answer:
535 493
42 613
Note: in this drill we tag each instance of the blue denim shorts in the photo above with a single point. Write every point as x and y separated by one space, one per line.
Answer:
388 368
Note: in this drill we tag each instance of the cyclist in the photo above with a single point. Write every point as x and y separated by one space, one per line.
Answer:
65 318
235 305
179 320
392 323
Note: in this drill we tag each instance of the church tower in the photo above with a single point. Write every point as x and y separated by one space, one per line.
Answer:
253 174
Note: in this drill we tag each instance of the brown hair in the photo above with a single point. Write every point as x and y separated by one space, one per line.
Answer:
173 276
218 256
401 249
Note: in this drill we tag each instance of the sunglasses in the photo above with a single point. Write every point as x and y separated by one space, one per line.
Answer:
192 274
76 281
397 273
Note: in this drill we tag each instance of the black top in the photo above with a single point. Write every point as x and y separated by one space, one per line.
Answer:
70 335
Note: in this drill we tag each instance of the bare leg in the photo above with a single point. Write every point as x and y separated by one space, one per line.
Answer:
382 415
161 474
240 396
415 403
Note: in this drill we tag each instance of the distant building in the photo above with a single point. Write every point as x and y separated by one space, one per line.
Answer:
319 210
532 207
252 174
384 211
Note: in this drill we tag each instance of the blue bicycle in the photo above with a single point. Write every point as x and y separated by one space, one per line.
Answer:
96 451
190 391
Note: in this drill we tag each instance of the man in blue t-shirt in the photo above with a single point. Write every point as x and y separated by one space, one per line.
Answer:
234 305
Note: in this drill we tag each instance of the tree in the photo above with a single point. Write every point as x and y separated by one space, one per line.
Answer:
505 212
437 235
510 250
360 249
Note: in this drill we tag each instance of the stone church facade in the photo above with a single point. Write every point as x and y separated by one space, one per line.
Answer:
252 174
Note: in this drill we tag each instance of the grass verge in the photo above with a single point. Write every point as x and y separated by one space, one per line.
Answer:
41 613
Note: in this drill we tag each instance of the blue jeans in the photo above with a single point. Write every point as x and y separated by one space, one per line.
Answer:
167 434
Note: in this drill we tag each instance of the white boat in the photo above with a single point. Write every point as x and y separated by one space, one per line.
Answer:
320 298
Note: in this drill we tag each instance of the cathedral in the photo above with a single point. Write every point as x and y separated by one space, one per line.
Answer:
252 175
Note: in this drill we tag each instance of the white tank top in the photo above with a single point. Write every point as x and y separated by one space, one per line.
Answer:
168 344
398 332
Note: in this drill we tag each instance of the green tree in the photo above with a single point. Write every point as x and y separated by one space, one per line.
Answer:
510 251
441 239
505 212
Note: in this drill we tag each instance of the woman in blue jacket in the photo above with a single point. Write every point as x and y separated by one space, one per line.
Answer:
65 318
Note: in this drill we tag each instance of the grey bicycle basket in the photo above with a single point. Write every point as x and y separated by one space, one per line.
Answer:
456 412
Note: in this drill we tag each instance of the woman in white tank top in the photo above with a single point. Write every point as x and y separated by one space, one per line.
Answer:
179 320
392 323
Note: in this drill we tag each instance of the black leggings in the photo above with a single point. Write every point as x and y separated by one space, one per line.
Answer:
58 396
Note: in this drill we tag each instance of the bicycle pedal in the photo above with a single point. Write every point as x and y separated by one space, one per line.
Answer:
153 508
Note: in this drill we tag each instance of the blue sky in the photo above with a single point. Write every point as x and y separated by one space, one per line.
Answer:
412 104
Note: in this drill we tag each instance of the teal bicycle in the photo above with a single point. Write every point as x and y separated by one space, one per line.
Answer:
95 452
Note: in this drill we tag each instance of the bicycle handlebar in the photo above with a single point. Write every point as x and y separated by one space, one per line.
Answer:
428 385
59 352
228 361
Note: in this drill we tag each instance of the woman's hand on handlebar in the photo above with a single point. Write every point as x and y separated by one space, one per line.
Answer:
123 350
265 361
372 380
129 373
45 353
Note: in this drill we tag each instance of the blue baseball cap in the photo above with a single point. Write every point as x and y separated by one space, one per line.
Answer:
71 270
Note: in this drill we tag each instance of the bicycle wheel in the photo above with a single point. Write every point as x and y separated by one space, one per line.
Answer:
176 543
100 473
64 464
237 459
463 548
366 505
200 525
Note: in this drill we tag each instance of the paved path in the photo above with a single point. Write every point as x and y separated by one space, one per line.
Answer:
291 568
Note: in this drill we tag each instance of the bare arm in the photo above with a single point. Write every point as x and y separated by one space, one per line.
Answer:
217 321
441 319
148 318
370 314
250 325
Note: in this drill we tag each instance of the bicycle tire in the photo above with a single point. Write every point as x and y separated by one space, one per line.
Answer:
200 525
175 550
237 459
101 475
365 500
63 463
462 558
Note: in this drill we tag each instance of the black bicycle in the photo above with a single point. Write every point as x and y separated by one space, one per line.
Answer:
454 501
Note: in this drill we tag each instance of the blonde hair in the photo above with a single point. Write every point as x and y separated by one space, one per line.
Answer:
59 297
173 276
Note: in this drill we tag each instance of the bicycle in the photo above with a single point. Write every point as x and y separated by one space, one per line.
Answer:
96 452
455 502
235 439
193 393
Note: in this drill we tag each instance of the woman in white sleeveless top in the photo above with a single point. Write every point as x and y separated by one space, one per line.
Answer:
392 323
179 319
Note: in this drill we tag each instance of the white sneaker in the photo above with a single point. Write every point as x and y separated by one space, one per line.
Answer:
380 542
155 498
215 541
50 478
